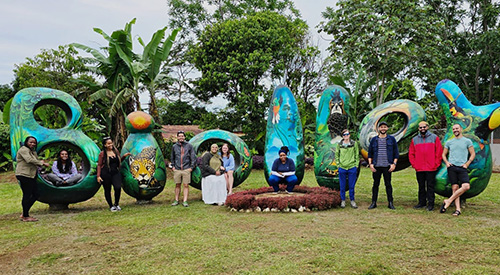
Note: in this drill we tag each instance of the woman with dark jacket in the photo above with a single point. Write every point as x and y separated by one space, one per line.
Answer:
26 169
213 183
108 172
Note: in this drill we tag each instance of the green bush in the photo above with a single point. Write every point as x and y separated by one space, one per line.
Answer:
5 157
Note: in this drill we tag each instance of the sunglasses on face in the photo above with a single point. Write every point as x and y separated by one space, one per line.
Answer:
346 134
422 127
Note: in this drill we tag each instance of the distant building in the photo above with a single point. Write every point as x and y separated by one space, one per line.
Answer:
170 131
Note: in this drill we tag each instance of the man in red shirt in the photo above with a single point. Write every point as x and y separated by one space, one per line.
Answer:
425 156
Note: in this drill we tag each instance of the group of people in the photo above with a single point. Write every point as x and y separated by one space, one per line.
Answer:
425 154
217 169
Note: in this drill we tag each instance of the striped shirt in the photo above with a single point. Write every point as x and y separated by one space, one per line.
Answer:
382 153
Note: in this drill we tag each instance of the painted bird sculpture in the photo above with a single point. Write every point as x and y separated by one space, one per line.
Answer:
477 122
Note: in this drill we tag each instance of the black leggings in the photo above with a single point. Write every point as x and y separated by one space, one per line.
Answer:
30 193
116 181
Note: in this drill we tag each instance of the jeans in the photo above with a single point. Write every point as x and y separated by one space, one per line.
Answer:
426 181
376 182
350 176
290 182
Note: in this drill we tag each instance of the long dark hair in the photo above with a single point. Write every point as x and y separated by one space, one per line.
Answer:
27 139
66 168
106 158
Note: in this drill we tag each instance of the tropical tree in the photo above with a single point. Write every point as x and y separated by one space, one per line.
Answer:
473 55
239 60
386 39
128 73
60 69
194 16
6 93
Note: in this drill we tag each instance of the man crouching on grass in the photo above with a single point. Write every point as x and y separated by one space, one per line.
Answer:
459 147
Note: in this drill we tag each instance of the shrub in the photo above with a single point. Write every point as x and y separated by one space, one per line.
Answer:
258 162
320 198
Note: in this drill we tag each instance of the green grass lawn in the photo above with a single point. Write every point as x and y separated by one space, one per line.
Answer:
160 239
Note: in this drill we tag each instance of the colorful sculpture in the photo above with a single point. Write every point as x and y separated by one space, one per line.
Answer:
23 124
332 117
477 122
242 156
144 172
411 112
284 128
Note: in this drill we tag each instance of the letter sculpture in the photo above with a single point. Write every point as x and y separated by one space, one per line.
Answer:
144 171
332 117
477 122
242 156
23 124
411 112
284 128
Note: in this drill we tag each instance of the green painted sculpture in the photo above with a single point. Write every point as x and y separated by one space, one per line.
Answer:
411 112
242 155
284 128
477 122
144 172
332 117
23 124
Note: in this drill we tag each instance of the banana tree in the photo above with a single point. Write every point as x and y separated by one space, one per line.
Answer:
120 89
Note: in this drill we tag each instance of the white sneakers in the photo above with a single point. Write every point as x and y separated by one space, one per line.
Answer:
115 208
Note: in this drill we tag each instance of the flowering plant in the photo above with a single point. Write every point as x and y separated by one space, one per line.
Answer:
312 198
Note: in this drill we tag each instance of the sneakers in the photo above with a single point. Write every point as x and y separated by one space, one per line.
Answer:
185 204
113 209
118 208
342 204
175 203
354 205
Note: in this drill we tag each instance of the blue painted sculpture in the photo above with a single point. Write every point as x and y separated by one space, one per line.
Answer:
477 122
412 114
332 117
284 128
23 124
242 156
143 172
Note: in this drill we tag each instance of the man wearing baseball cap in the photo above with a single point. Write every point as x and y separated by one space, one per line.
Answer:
383 156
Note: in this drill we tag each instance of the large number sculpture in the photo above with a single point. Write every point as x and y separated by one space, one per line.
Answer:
332 117
23 124
242 156
144 171
284 128
477 122
411 112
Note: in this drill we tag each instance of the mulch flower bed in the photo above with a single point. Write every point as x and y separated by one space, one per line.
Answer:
303 199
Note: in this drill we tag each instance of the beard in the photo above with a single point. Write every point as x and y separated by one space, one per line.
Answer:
423 132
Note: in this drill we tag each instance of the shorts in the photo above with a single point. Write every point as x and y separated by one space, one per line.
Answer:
458 175
182 176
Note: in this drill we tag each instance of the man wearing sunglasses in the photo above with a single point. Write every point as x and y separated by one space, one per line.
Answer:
425 157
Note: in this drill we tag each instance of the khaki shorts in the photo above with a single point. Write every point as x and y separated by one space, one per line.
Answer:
182 176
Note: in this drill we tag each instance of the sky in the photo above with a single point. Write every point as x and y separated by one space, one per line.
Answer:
31 25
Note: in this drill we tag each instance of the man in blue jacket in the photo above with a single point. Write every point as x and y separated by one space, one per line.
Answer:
383 156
